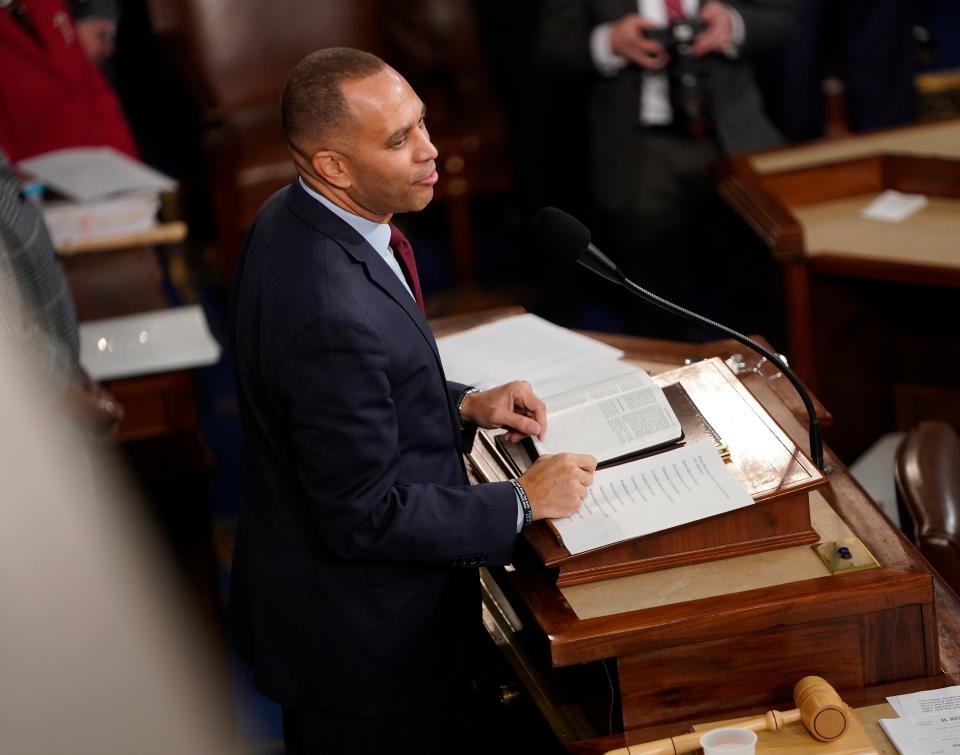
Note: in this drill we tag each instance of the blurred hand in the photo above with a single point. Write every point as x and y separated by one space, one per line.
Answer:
514 406
627 40
556 485
97 37
719 29
95 407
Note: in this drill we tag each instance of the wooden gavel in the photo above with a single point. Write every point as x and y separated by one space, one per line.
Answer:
818 706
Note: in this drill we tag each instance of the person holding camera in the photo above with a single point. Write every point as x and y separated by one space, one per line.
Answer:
671 91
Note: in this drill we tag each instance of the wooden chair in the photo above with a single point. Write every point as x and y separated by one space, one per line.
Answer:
927 474
236 56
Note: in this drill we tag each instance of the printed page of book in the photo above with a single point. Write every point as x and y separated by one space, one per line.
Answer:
609 419
638 498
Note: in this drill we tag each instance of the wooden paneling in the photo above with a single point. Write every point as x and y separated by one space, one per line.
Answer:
894 646
757 668
822 183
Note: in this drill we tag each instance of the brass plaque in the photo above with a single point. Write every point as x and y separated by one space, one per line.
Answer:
842 556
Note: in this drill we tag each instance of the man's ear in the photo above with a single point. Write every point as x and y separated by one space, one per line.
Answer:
332 167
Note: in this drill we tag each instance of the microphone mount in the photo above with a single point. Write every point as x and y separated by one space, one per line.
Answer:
593 259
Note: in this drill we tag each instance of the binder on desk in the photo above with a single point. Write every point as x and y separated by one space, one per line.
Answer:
711 404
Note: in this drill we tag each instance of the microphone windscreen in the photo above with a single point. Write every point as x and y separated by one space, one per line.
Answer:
558 233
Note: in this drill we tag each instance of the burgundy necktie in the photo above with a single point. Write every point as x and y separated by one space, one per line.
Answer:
674 10
404 255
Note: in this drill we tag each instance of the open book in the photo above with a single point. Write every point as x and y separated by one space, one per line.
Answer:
610 419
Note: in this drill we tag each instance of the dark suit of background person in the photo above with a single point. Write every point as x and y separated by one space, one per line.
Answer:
355 591
651 186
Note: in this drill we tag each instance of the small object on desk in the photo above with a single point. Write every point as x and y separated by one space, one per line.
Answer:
845 556
894 206
729 740
162 341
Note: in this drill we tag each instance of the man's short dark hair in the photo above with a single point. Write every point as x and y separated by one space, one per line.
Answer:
312 107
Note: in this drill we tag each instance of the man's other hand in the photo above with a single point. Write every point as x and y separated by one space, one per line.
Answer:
719 32
95 407
557 484
514 406
627 40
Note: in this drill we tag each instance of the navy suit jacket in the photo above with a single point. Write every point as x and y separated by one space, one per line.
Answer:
355 585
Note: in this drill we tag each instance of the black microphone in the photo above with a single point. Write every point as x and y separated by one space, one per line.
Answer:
557 232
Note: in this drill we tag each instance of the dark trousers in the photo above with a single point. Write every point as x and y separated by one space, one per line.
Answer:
324 732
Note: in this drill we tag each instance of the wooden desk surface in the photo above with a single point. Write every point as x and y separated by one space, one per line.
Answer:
931 237
928 139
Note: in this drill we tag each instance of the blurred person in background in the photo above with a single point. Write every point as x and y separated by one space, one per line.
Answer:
866 44
40 316
52 95
96 22
663 109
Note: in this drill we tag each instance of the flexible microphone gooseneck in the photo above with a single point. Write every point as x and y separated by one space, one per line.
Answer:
556 231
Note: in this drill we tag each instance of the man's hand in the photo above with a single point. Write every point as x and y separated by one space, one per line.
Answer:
514 406
719 32
556 485
627 40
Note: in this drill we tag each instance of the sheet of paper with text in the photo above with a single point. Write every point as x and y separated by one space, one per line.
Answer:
653 494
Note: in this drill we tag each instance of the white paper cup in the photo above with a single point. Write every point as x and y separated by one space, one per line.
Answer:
729 741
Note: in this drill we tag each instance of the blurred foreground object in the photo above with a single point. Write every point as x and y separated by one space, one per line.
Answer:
97 652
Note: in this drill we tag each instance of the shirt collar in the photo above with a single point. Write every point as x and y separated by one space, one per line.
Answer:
375 234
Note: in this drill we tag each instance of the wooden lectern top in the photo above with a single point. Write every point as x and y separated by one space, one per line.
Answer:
763 458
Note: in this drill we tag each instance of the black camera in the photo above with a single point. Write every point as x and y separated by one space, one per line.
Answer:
686 74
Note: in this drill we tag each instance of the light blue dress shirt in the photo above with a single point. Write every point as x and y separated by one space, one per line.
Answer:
376 235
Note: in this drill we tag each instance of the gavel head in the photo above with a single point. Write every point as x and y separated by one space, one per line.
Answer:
821 709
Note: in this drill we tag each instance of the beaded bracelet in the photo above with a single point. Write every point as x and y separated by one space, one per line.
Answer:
524 503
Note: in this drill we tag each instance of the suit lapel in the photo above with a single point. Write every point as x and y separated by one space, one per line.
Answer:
310 211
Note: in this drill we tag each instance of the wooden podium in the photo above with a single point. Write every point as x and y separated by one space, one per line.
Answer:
776 474
706 640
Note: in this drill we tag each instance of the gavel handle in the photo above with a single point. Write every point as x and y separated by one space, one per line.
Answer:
774 720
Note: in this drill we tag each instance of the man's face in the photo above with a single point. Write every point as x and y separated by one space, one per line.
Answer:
391 160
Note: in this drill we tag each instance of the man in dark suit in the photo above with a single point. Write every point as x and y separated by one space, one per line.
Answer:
651 182
355 589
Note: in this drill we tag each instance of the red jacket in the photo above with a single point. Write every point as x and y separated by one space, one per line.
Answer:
53 96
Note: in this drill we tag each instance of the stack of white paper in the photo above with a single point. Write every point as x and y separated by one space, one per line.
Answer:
84 222
527 347
87 173
107 194
161 341
929 722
